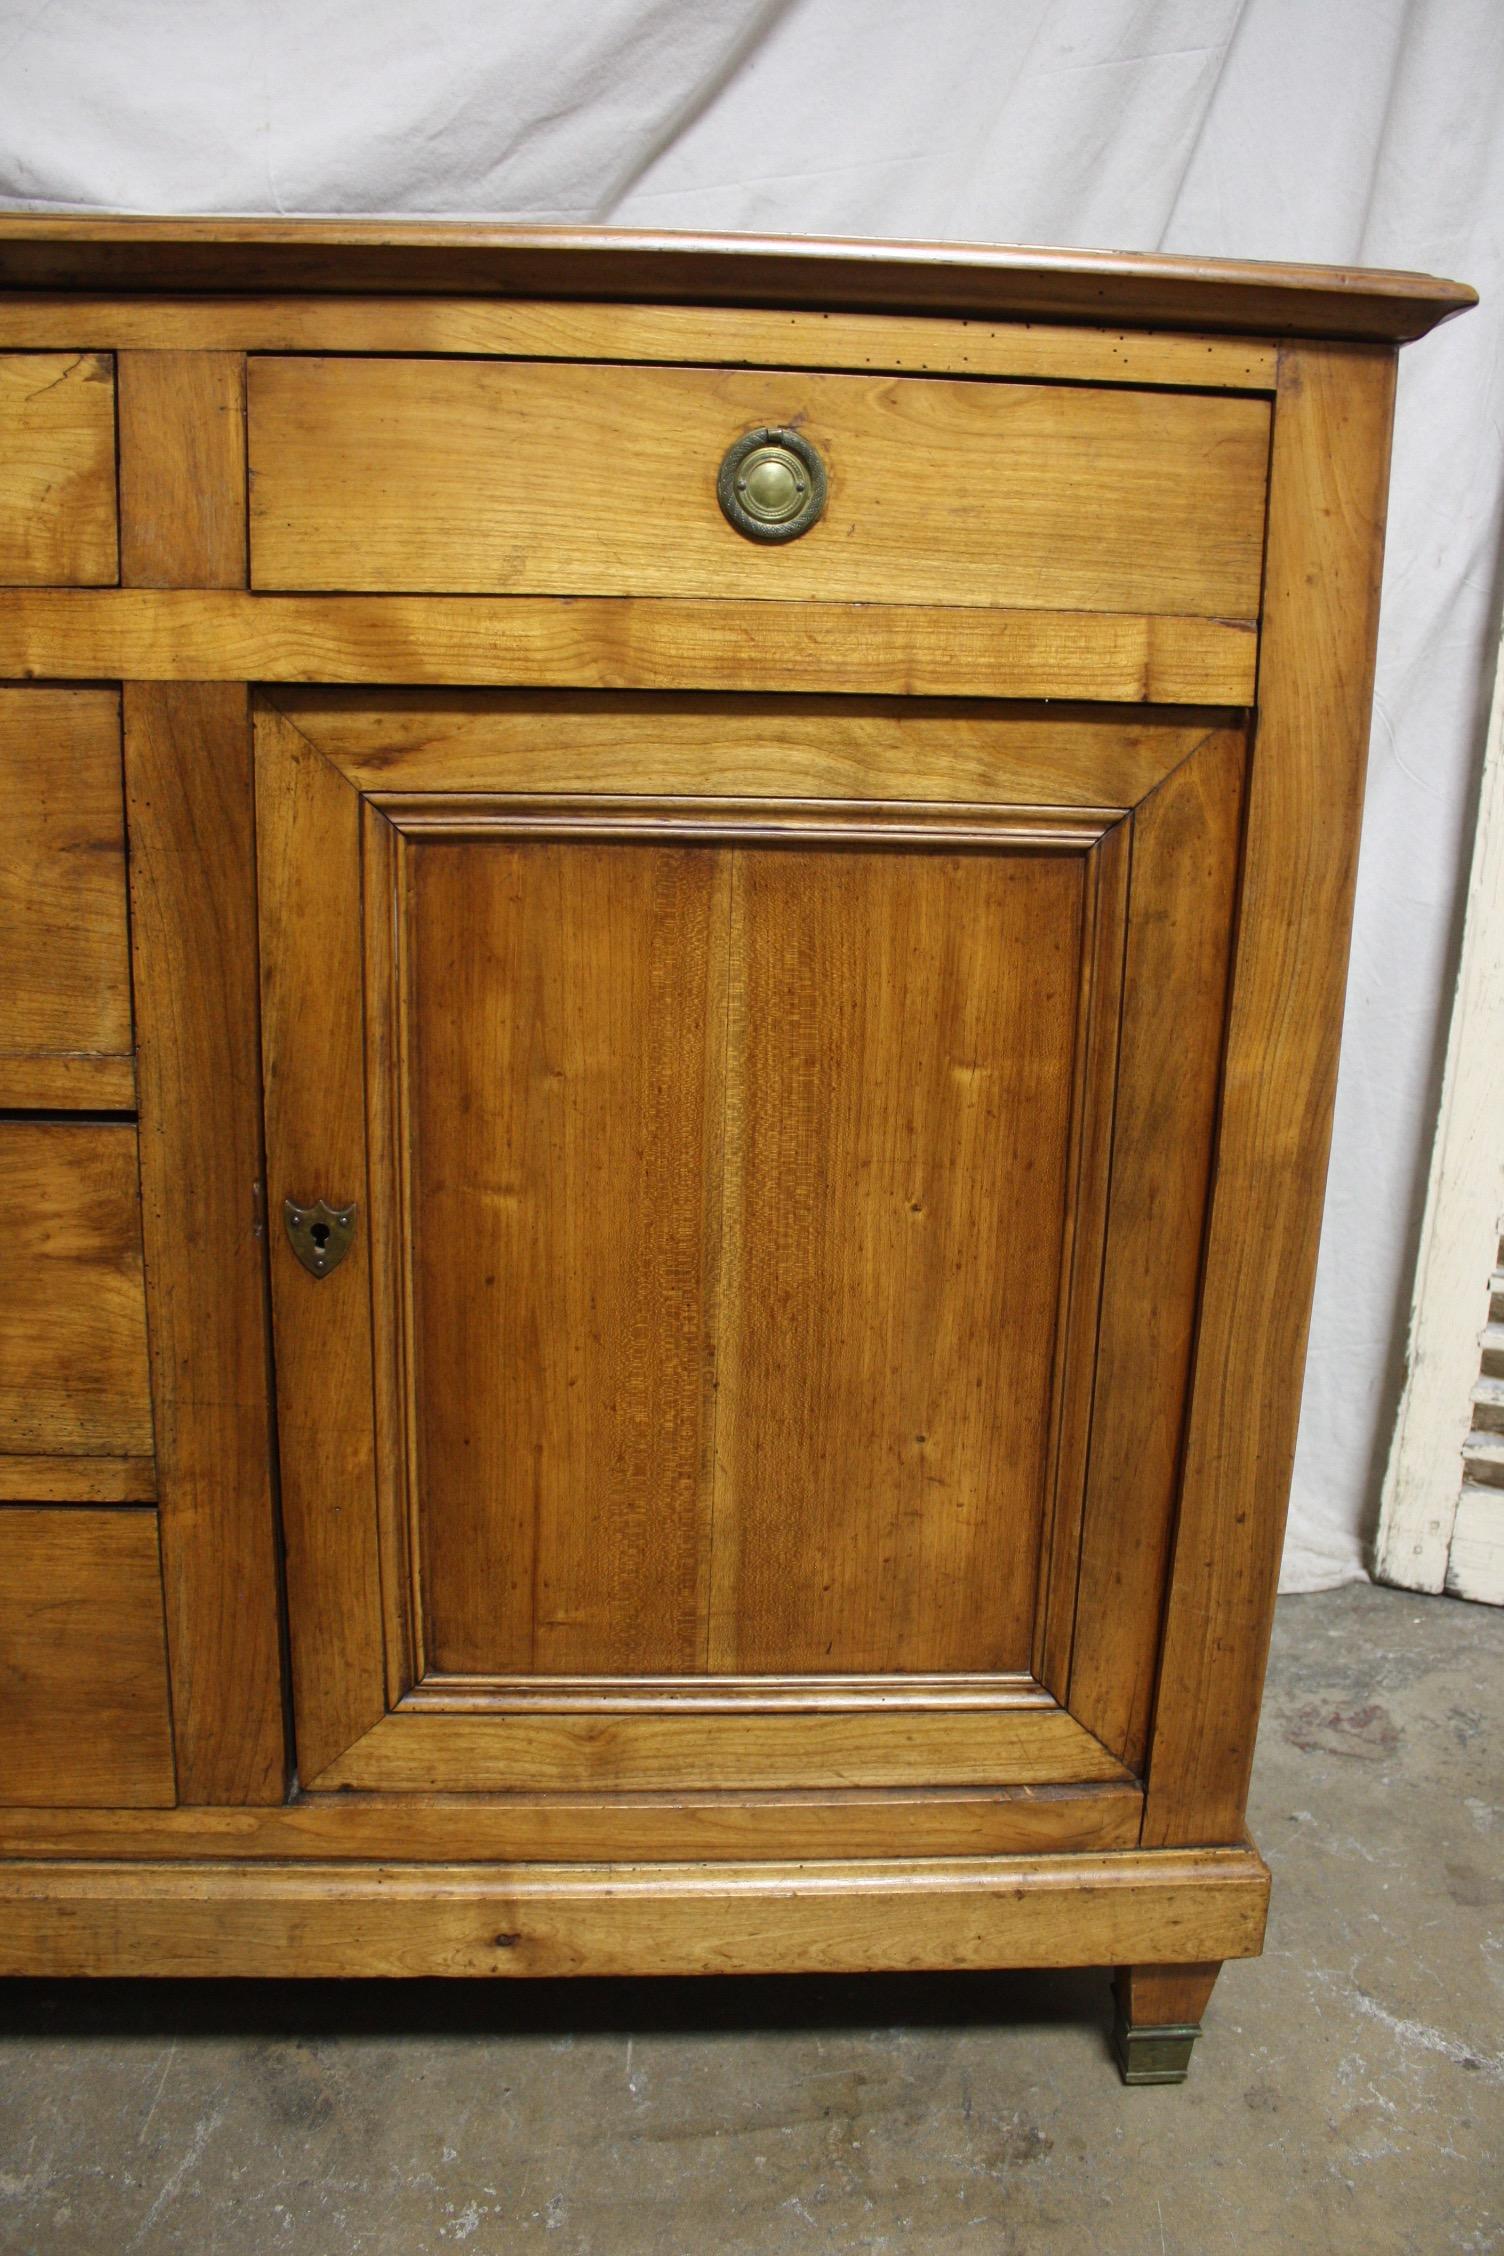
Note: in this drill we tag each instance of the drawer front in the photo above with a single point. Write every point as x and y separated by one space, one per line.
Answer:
75 1406
65 998
473 476
57 470
83 1661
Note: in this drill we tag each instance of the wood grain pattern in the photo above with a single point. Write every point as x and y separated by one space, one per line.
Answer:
65 993
1186 839
194 946
1157 1997
421 1752
518 882
474 1828
379 475
425 745
898 1095
566 1008
294 1920
182 469
1331 449
511 1579
36 1479
1094 1065
194 943
740 336
942 749
73 1376
48 251
308 870
67 1084
82 1660
135 634
57 470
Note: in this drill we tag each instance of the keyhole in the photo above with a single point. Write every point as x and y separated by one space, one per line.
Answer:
319 1234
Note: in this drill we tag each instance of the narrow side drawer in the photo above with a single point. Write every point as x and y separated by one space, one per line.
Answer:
73 1371
57 470
65 991
83 1661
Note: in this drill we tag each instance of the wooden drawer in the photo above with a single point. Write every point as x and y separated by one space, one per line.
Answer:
478 476
57 470
75 1404
83 1661
65 994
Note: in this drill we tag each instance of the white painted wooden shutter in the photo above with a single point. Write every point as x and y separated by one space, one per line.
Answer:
1441 1523
1475 1561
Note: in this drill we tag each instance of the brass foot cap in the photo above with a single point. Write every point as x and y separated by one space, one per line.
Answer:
1158 2055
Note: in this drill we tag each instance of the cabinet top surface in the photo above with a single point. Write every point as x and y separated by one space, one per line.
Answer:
54 251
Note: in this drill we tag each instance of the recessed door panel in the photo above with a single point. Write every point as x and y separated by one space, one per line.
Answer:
736 1209
565 1011
898 1088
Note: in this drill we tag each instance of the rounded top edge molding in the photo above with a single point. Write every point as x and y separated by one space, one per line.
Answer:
1010 282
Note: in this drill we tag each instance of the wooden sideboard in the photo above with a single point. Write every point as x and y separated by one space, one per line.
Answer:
671 957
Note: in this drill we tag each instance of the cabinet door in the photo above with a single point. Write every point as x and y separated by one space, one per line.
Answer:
777 1140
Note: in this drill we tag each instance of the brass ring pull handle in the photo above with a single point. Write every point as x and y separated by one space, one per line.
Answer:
771 485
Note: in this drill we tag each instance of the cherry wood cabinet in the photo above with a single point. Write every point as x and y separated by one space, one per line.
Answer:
704 1176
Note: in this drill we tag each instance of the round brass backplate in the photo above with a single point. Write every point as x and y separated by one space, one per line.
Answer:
771 485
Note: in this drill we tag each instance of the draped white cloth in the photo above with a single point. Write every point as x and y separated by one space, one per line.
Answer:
1365 131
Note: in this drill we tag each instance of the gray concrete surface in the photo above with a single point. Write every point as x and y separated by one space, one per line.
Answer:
1348 2094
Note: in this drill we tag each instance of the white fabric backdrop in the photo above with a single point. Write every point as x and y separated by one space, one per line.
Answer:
1369 131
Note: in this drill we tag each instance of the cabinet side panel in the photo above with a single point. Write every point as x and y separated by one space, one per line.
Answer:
193 933
1330 471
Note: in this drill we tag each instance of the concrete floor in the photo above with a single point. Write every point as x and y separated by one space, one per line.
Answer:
1348 2094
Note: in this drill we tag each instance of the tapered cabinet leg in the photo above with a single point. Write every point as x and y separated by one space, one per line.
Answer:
1159 2019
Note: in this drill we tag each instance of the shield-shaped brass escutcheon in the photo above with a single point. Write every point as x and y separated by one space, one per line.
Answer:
320 1235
